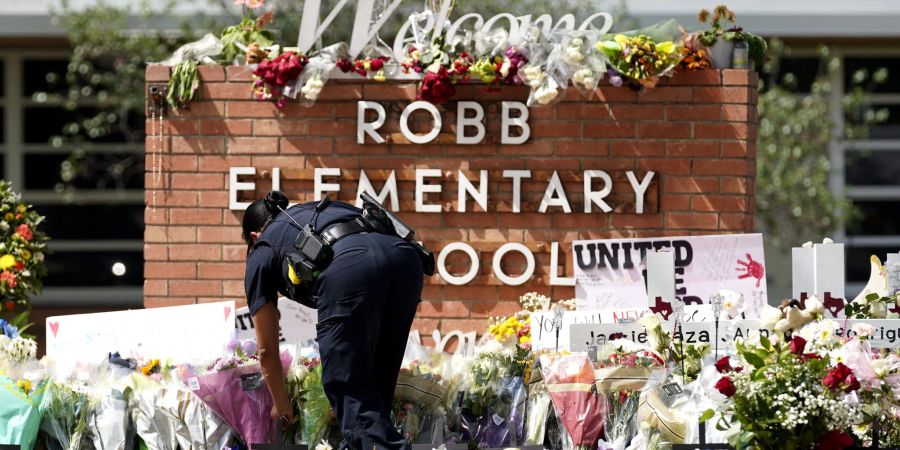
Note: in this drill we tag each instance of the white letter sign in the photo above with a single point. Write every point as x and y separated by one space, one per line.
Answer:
462 122
363 128
435 128
234 186
521 121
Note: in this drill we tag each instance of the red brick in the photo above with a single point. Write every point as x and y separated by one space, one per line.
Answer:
318 109
696 221
198 181
198 144
156 73
226 127
663 131
195 252
581 148
176 198
332 128
210 73
190 216
234 252
696 77
690 185
225 235
637 112
534 147
736 113
252 108
742 77
720 131
253 145
182 126
175 163
721 167
220 271
221 164
637 148
694 112
692 148
666 94
155 252
739 149
213 199
585 111
580 219
442 309
202 109
675 202
609 94
626 221
732 185
612 130
280 127
167 270
393 92
156 287
736 222
165 302
239 73
666 166
556 128
195 287
465 325
225 91
334 91
493 308
721 94
719 203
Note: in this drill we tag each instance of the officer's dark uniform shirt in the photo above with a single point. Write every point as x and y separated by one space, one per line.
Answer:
266 275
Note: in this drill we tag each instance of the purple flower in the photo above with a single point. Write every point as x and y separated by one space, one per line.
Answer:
232 345
249 347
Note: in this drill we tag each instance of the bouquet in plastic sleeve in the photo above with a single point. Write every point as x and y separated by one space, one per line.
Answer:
110 427
315 74
317 414
234 389
66 409
570 382
643 56
273 76
580 60
625 372
537 408
22 385
494 401
153 425
418 397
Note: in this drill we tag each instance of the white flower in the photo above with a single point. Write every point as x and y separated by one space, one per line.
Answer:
827 241
324 445
26 273
533 75
4 226
576 42
863 329
770 315
38 256
298 371
504 69
312 88
584 77
807 244
573 55
546 93
17 350
814 306
732 302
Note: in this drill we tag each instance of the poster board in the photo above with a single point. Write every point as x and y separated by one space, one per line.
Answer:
297 323
179 333
611 273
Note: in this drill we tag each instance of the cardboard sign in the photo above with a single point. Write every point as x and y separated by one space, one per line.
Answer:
660 277
830 277
803 272
611 273
180 333
887 332
297 323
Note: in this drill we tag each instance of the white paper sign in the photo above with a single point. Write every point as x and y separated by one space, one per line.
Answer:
180 333
803 271
581 336
297 323
887 332
830 277
660 277
610 273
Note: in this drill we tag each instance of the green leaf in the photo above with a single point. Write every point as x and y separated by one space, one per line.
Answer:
764 341
708 414
755 360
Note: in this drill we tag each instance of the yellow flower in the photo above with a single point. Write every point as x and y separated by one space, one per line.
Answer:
379 76
620 39
9 216
24 385
26 255
665 47
21 208
7 261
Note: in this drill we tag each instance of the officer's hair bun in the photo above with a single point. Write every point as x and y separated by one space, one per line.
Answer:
275 202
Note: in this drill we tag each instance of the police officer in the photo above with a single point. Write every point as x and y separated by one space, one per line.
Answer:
366 300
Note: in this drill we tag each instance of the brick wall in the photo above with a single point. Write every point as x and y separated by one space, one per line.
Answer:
696 131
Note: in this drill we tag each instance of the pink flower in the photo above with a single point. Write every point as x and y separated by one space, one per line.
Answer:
863 329
8 278
24 232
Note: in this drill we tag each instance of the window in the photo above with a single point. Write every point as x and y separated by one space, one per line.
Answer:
100 222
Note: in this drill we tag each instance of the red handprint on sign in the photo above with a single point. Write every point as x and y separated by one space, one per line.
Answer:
751 268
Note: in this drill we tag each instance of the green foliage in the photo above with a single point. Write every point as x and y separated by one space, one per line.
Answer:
246 32
22 248
794 202
106 70
184 85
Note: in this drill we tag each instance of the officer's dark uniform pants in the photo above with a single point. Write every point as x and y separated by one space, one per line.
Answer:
366 301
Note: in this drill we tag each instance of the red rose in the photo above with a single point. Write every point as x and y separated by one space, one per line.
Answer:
797 345
839 377
726 387
345 65
436 87
376 64
852 384
24 232
20 265
723 365
835 440
10 305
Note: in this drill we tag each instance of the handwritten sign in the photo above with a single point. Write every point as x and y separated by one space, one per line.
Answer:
583 336
297 323
180 333
612 273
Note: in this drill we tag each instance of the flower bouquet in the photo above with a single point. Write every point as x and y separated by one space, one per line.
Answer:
312 412
66 409
110 427
785 395
570 382
418 398
273 76
153 425
234 389
22 246
879 394
646 55
22 385
315 74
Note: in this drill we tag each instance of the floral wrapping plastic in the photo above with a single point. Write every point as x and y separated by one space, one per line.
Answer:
110 427
155 427
537 410
315 74
570 382
240 397
66 409
316 409
645 55
492 426
581 62
20 414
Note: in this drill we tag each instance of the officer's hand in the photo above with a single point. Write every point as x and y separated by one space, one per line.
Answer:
284 414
